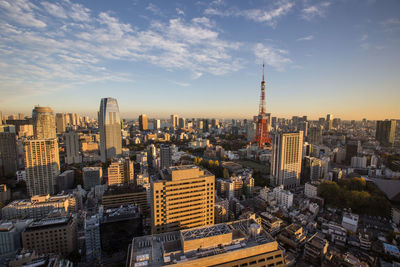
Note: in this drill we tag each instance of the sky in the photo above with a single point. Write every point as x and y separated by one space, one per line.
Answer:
202 58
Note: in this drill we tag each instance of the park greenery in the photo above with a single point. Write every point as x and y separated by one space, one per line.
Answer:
355 193
213 166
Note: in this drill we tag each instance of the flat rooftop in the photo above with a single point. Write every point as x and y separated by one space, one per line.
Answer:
167 248
48 222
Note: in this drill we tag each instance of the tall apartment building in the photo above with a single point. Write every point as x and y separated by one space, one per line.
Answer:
174 121
51 235
8 150
91 177
385 132
61 122
42 166
110 129
120 171
38 206
183 198
238 243
72 148
287 151
44 126
143 122
182 123
92 239
165 156
314 135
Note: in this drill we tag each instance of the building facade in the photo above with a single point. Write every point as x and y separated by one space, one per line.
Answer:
44 126
72 148
120 172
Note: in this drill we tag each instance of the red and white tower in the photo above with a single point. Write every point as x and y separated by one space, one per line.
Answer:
261 136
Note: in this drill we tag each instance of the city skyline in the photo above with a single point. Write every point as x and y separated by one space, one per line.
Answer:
202 59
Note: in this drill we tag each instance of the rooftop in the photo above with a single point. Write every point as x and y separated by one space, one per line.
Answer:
49 222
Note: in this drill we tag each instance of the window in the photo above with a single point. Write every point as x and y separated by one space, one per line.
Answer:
279 263
278 256
253 262
261 260
243 264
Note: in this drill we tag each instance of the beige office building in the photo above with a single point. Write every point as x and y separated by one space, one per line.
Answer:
120 172
183 198
51 235
42 166
44 126
287 149
234 244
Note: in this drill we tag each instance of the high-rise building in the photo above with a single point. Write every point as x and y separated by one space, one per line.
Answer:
120 172
8 150
165 156
174 121
42 166
61 122
182 123
91 177
183 198
328 122
287 151
92 239
385 132
72 148
1 118
110 129
315 135
237 243
156 124
353 147
143 122
44 126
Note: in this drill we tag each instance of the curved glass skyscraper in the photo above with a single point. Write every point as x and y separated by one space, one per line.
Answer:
110 129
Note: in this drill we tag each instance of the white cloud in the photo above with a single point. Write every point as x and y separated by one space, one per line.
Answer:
306 38
89 41
269 15
21 12
179 11
391 24
313 11
274 57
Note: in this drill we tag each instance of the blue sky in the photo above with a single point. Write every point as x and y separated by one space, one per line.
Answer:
202 58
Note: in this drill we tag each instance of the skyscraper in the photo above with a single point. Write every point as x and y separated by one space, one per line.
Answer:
8 150
42 166
385 132
183 198
182 123
120 172
165 157
174 121
61 122
328 122
315 135
72 148
143 122
110 129
44 126
286 159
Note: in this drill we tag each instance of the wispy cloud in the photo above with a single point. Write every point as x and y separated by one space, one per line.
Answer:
313 11
272 56
183 84
77 46
306 38
364 37
391 24
179 11
269 15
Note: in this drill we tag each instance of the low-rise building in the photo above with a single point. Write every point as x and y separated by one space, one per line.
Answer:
311 189
315 249
350 221
10 235
51 235
271 223
38 207
337 233
120 195
293 236
238 243
91 177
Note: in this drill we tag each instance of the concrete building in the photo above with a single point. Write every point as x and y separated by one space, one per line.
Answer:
315 135
44 126
8 150
182 123
10 235
287 151
293 236
51 235
238 243
165 156
350 221
311 189
42 166
72 148
283 197
65 181
385 132
174 121
91 177
353 147
359 162
183 198
143 122
315 249
5 193
120 171
122 195
110 129
61 122
92 239
38 206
